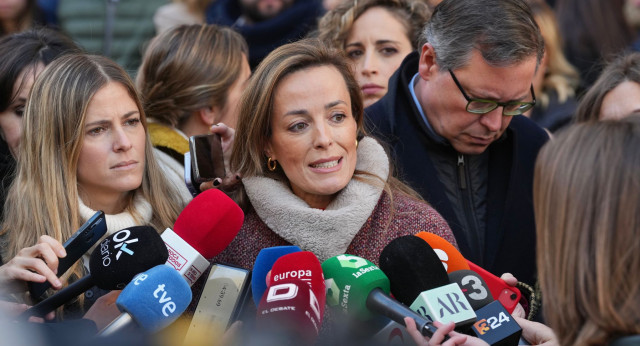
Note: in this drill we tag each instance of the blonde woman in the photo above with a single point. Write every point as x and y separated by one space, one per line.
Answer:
85 147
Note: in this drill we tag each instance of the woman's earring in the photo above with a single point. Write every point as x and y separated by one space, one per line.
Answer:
356 142
271 164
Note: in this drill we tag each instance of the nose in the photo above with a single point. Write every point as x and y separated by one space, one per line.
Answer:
370 63
322 138
492 120
121 141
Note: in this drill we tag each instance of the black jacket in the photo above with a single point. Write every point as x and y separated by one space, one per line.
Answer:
509 228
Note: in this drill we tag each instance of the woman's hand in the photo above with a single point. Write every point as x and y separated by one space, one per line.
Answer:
537 333
11 309
232 179
104 310
38 263
511 280
438 337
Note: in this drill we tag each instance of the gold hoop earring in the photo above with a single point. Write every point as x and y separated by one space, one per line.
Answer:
271 164
356 142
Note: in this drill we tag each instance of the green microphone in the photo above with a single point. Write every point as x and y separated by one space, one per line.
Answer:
360 289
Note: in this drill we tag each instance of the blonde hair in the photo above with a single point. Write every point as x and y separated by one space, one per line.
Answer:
335 25
256 106
43 199
587 211
560 75
187 68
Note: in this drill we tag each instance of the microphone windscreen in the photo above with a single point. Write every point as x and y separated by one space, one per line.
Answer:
290 310
349 280
412 267
209 222
119 257
473 286
451 258
303 266
263 264
155 298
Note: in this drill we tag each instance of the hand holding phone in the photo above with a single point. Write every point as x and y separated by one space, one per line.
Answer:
204 162
80 242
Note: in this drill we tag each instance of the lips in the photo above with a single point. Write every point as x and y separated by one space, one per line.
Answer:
326 163
124 164
371 89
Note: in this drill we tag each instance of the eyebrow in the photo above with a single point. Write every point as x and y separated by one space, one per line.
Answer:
304 111
377 43
102 122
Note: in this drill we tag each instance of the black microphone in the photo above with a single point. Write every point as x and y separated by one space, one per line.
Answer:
113 263
419 280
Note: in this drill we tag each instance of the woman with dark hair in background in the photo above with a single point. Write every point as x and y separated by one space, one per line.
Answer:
376 35
18 15
22 57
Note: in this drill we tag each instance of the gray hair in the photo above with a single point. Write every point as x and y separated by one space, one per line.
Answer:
503 31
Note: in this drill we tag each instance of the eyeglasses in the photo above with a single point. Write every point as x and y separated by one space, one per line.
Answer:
483 106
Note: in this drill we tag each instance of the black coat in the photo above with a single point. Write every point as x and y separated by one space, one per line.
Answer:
510 227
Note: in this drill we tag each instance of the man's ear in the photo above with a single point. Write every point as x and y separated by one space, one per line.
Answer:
427 66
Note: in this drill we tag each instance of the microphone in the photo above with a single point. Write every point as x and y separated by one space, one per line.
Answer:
112 264
419 280
205 227
304 266
359 288
153 300
473 287
451 258
507 295
289 312
263 264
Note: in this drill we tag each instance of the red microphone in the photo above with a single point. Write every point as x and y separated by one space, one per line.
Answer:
289 313
304 266
205 227
507 295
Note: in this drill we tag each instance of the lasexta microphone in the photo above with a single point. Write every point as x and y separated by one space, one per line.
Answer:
152 300
113 263
360 289
263 264
205 227
418 279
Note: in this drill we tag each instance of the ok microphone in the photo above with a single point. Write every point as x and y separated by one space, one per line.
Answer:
419 280
359 288
205 227
263 264
152 300
507 295
113 263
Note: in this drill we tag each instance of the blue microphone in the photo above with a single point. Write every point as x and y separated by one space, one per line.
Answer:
264 262
152 300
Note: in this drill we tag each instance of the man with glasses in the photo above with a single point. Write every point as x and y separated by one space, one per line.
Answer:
453 119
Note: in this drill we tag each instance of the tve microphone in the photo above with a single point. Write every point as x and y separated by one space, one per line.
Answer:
473 286
290 311
451 258
205 227
153 300
359 288
507 295
113 263
263 264
419 280
303 266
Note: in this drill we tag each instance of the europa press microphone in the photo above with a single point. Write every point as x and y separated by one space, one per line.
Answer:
419 280
292 308
360 289
263 264
507 295
113 263
152 300
205 227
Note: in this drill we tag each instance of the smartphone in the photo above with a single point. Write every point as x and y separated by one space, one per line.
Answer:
80 242
207 162
507 295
